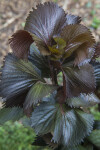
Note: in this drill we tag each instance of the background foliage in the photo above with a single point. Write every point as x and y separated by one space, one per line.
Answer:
14 136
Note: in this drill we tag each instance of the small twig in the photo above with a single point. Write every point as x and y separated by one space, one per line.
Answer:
10 21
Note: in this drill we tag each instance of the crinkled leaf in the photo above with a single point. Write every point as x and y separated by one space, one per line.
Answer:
96 66
68 128
39 61
95 138
37 92
43 118
78 39
17 77
79 80
13 114
44 22
71 19
97 51
20 43
16 100
84 100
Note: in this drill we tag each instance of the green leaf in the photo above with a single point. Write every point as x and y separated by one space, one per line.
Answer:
83 100
68 126
94 111
89 4
13 114
37 92
95 138
79 80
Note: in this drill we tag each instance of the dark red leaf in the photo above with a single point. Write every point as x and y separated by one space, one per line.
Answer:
20 43
79 41
16 100
45 22
97 51
71 19
79 80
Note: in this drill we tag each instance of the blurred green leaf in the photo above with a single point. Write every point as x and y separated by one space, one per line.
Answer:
97 6
92 12
13 114
95 112
95 23
89 4
23 24
95 138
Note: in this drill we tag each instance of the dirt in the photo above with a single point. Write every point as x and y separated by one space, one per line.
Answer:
14 12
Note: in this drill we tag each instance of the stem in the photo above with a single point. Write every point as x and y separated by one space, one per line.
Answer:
55 76
64 86
51 70
99 107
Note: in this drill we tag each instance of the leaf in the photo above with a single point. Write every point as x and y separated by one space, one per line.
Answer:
39 141
69 128
13 114
83 100
78 39
97 124
17 77
97 51
71 19
37 92
95 138
80 147
60 43
26 122
20 43
39 61
44 22
79 80
43 118
16 100
96 66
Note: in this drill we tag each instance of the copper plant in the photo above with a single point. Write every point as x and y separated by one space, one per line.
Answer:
53 42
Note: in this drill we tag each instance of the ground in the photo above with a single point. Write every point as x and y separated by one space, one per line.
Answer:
14 12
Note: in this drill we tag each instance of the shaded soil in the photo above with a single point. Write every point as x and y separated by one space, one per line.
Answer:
14 12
